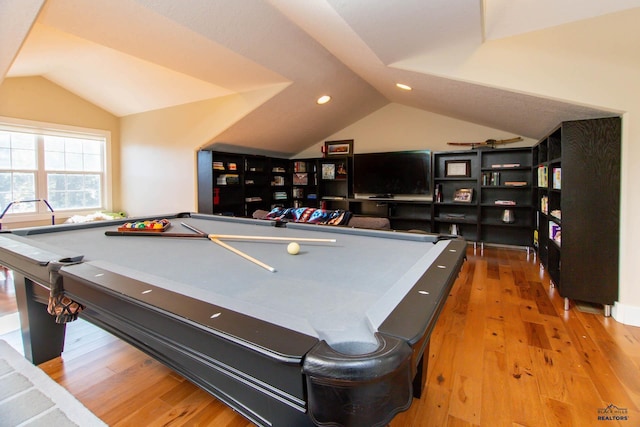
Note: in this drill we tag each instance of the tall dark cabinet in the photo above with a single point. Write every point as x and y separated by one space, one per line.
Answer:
281 181
506 199
305 183
238 184
578 208
335 181
221 183
484 195
456 192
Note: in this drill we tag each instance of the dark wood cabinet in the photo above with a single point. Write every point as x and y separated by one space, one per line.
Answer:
456 193
305 183
335 178
578 208
484 195
506 198
280 180
403 215
238 184
256 183
221 183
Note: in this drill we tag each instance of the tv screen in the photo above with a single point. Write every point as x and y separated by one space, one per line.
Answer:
400 174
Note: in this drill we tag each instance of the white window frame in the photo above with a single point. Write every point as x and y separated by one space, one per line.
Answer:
42 212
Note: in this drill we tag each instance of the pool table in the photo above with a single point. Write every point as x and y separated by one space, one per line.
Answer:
337 334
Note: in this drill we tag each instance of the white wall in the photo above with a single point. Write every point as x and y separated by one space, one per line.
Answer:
159 149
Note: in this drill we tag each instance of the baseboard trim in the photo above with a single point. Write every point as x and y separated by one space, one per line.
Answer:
626 314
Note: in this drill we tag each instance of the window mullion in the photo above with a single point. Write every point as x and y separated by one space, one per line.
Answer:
41 176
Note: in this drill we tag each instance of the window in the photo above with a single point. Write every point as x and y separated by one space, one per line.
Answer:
64 167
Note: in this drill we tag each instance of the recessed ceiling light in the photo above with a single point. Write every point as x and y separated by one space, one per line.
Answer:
323 99
403 86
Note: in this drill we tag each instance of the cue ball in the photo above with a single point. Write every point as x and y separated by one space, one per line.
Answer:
293 248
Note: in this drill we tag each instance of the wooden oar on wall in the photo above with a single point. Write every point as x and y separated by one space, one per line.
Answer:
488 143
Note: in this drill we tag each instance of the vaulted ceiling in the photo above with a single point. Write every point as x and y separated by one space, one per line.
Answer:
133 56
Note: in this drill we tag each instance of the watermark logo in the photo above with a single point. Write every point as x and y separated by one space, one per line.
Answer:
613 413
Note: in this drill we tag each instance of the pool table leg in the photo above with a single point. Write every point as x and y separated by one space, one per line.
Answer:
42 337
419 381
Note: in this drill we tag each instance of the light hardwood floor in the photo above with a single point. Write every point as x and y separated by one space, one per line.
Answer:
504 353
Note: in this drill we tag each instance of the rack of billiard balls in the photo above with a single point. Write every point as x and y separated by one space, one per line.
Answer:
147 225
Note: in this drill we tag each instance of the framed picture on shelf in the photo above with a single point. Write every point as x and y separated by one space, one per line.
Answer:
463 195
300 178
328 171
457 168
338 148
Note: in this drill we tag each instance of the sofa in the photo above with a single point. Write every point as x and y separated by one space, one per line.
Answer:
333 217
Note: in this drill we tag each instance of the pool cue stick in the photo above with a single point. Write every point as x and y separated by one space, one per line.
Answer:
229 247
242 254
192 228
246 237
153 234
287 239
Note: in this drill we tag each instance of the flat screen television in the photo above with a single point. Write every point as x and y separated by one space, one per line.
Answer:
403 175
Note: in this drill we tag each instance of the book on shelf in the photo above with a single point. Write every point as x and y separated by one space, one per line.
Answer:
299 166
280 195
515 183
491 179
228 179
332 198
454 215
253 199
556 213
278 169
232 166
219 166
544 205
312 196
437 193
277 181
506 165
543 176
555 232
557 178
505 202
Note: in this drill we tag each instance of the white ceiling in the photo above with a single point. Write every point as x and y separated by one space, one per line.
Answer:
132 56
